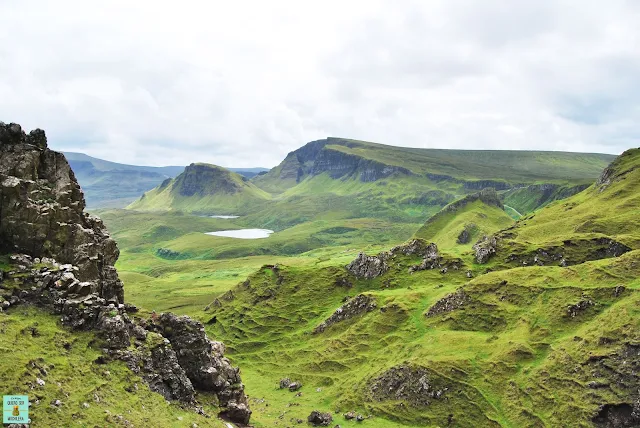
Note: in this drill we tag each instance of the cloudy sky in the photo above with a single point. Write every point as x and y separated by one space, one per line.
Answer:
242 83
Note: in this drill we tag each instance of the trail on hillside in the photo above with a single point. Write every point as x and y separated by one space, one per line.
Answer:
517 212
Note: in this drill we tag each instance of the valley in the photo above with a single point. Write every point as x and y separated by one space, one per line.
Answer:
501 323
374 293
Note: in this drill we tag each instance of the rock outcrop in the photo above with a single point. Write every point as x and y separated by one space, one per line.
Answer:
320 419
42 212
360 304
485 248
412 384
63 260
449 303
369 267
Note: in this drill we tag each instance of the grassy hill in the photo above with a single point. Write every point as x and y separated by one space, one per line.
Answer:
517 344
337 178
206 189
115 185
460 224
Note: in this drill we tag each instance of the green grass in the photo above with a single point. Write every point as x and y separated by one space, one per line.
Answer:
511 357
33 345
445 227
514 166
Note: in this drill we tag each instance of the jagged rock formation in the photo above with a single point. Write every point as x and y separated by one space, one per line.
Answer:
203 179
617 169
369 267
68 269
360 304
42 212
316 158
485 248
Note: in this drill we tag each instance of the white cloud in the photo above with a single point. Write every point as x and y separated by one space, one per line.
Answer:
243 83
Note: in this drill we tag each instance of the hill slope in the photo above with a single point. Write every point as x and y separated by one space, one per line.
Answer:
205 189
461 223
407 337
340 179
114 185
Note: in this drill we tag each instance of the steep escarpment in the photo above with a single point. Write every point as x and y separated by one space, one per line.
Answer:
60 259
42 212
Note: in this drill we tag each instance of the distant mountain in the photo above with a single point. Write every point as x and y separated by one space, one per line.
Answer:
203 188
338 178
115 185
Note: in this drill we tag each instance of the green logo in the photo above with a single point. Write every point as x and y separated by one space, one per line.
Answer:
15 409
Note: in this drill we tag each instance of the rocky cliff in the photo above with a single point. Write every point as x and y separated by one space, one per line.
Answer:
204 179
315 158
62 259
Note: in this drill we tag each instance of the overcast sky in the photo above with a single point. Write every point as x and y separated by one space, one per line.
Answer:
241 84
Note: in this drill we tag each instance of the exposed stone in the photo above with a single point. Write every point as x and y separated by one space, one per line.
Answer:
64 262
284 383
360 304
415 385
449 303
485 248
577 308
43 215
431 259
465 236
320 419
369 267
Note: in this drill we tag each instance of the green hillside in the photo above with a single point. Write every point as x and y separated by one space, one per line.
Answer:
517 344
336 179
89 394
205 189
458 225
114 185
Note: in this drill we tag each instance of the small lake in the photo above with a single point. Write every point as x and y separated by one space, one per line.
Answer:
224 216
243 233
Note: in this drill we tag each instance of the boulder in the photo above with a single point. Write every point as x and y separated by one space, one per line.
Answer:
485 248
320 419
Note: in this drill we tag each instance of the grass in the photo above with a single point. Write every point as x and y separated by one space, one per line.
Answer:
512 356
33 345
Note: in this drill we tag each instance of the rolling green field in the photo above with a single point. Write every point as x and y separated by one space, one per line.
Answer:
524 345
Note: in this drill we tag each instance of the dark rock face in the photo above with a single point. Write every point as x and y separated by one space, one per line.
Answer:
339 164
373 266
369 267
622 369
315 158
204 180
485 248
320 419
571 252
42 212
415 385
431 260
616 170
465 235
360 304
204 363
449 303
484 184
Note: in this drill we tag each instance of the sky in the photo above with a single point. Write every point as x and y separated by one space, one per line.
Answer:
242 83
